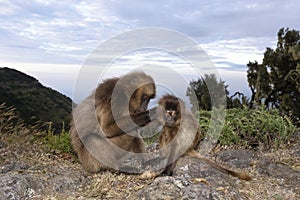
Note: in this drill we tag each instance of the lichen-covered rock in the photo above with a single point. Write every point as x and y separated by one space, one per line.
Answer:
20 186
19 181
278 170
237 158
177 188
196 169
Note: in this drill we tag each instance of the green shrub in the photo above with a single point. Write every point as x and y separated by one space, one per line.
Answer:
244 126
60 143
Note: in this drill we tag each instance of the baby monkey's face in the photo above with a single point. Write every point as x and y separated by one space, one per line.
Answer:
170 117
171 112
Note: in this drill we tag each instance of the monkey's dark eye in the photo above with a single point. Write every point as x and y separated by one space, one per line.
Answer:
171 112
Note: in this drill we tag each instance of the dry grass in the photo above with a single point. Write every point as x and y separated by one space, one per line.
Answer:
13 129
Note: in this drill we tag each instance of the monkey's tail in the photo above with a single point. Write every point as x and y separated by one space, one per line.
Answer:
240 175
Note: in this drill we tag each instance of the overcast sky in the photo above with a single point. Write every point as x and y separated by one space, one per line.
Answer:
52 39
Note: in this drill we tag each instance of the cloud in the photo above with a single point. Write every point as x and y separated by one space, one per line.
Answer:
75 28
225 19
7 8
235 53
65 32
53 29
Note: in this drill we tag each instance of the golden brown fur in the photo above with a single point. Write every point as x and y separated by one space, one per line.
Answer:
180 133
180 136
99 134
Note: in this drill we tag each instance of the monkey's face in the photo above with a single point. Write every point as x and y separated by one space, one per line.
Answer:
140 99
170 117
170 110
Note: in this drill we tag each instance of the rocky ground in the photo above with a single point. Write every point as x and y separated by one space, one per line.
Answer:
28 172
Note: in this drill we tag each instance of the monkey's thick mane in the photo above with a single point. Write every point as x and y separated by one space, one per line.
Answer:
134 80
106 87
125 83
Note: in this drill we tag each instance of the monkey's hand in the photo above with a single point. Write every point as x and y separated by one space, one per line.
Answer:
144 118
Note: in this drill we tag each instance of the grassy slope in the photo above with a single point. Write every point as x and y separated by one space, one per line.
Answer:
33 101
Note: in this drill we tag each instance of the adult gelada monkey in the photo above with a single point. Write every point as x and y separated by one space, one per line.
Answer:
180 136
104 126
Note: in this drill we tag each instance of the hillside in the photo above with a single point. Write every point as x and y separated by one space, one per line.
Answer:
33 101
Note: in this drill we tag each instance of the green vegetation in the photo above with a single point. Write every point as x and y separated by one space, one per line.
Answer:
60 143
250 127
34 102
201 92
275 82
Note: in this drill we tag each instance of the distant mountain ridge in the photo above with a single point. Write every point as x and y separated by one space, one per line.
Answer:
33 101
